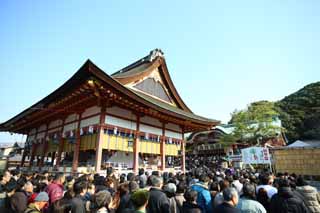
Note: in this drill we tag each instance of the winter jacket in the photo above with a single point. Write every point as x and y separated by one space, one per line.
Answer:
19 201
78 204
226 208
32 209
190 208
247 205
310 197
158 202
286 201
55 192
204 197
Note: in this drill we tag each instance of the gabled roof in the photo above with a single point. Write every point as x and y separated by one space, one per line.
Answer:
89 70
146 64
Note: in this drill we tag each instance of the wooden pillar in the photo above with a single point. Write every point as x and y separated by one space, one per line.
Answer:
163 148
34 147
33 150
24 154
183 154
61 146
76 150
100 139
45 148
136 146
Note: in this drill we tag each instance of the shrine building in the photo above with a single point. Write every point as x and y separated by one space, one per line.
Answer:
93 117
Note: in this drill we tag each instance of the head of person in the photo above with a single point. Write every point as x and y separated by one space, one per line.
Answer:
91 188
133 186
6 177
109 171
102 199
41 200
170 189
301 181
141 171
191 196
80 188
130 176
60 178
284 183
28 187
181 187
249 191
223 184
230 195
140 199
204 178
156 181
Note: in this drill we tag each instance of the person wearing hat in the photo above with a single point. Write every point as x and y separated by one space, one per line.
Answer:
39 203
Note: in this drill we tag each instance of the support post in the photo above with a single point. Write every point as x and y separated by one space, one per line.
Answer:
33 150
24 154
76 150
183 153
100 139
60 147
163 148
45 148
136 146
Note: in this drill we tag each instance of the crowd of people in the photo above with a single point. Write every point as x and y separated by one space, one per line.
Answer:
200 190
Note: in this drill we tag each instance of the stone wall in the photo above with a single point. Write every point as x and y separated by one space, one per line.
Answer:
303 161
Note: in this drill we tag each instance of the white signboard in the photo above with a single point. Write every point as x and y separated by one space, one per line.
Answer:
255 155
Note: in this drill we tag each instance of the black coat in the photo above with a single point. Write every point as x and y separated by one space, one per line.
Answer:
285 201
158 202
190 208
226 208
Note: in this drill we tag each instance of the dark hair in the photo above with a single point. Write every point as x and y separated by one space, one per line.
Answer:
284 183
109 171
59 175
130 176
11 185
190 195
62 206
133 186
181 187
224 184
301 181
249 191
141 171
78 187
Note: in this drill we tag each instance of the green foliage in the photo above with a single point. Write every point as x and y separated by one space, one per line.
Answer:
300 113
254 124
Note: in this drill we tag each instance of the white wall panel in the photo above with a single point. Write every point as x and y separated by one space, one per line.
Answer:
55 123
54 130
150 120
71 126
90 121
91 111
171 134
121 112
71 118
42 128
33 131
174 127
120 122
150 129
41 135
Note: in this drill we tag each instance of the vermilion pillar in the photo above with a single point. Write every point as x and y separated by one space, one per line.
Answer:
136 146
183 153
163 148
76 150
45 148
100 139
60 147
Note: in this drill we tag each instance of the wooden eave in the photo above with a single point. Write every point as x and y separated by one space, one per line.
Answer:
89 71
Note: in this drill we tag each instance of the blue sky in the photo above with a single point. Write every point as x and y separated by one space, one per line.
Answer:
221 55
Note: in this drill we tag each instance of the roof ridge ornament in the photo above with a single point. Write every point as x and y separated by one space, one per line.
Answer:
154 54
